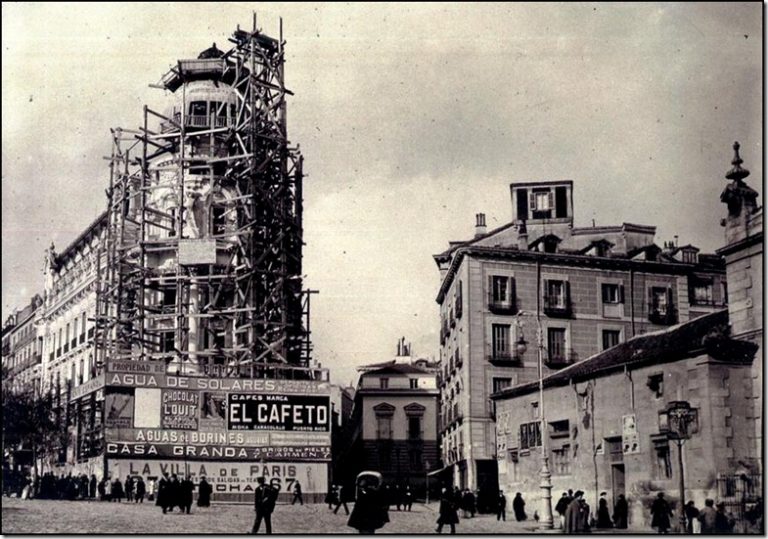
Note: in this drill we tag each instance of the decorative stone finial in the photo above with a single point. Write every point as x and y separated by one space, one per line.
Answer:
737 173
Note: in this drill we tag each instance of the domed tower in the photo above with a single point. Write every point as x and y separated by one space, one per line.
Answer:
205 235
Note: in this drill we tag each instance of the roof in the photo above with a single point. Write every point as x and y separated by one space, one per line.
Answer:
101 219
453 245
397 369
706 334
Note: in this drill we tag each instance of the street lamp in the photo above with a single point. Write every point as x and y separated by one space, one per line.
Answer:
546 520
678 420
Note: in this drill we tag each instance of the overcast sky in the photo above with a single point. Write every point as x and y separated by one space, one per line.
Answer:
412 118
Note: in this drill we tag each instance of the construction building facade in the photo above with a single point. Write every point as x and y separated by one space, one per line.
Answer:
198 341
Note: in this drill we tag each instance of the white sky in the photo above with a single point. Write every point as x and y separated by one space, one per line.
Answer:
412 118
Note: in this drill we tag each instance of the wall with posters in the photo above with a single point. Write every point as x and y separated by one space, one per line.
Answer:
228 429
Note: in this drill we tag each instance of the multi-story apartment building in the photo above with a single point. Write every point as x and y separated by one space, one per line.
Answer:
394 423
22 348
586 288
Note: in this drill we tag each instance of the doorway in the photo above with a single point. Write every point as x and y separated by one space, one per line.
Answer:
617 481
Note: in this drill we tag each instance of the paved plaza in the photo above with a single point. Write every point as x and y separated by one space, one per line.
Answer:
49 516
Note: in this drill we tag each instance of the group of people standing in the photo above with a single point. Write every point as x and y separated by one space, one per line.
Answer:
172 492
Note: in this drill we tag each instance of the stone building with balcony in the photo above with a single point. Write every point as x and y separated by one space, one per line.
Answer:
22 348
394 423
588 288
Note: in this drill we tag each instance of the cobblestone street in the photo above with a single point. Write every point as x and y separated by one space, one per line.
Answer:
47 516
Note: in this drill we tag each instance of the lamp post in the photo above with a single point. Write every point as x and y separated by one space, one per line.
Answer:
546 520
679 421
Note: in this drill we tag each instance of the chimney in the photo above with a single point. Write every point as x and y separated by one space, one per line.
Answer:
480 228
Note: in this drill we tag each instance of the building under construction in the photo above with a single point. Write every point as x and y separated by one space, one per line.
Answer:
202 352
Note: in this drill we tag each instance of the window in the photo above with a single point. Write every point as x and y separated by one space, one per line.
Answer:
611 337
459 299
414 383
660 308
702 293
556 293
561 463
172 225
663 463
82 329
414 428
556 297
384 426
656 384
659 302
218 219
542 201
559 429
499 289
530 435
197 108
501 383
169 297
500 341
689 256
168 341
384 383
556 344
613 293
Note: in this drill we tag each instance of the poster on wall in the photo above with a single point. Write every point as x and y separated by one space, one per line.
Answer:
256 411
118 407
213 409
179 409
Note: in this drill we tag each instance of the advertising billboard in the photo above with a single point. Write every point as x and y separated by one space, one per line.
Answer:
153 415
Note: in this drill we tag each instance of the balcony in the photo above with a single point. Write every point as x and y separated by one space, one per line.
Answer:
497 306
504 359
557 306
558 360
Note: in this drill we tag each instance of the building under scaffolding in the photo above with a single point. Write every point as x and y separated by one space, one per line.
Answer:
202 337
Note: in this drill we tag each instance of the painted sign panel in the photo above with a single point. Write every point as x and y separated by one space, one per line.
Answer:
180 409
118 407
88 387
197 251
218 452
256 411
229 477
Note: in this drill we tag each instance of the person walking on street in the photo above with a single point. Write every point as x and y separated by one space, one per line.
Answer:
92 487
204 490
603 515
723 522
448 513
501 507
186 494
330 497
620 513
117 490
577 515
297 493
691 516
129 488
141 490
174 491
408 498
660 512
339 499
264 499
162 492
560 508
707 517
518 506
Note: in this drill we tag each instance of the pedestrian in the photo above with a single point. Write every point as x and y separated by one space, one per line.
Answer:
408 497
330 497
84 484
108 489
723 522
141 489
603 515
338 495
691 516
501 507
518 506
174 493
186 494
577 515
660 512
264 499
162 492
397 494
151 489
204 490
92 487
448 513
117 490
129 488
370 511
297 494
707 517
562 505
620 513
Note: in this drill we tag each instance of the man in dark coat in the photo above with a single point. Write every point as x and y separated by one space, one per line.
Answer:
174 493
660 512
92 487
691 513
518 506
264 498
117 490
141 490
186 491
620 513
723 522
162 492
560 508
339 499
204 490
448 515
577 515
297 493
129 488
603 514
371 510
501 507
407 498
